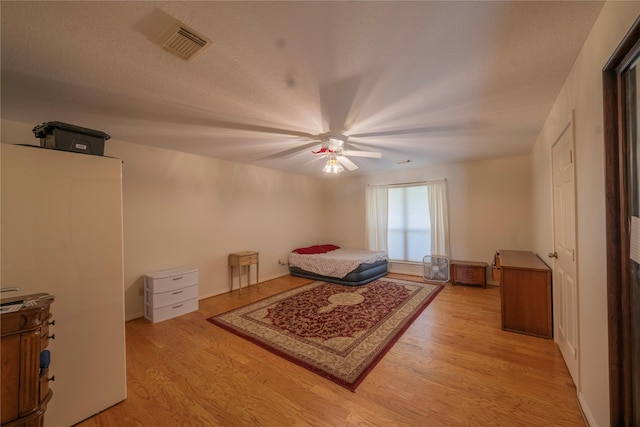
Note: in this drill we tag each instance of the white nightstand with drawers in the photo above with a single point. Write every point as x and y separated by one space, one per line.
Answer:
170 293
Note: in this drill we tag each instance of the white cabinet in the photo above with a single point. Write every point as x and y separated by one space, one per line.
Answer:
170 293
62 234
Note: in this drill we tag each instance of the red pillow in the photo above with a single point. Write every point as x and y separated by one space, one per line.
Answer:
329 247
316 249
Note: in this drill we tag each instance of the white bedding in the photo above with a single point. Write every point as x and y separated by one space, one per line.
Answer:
337 263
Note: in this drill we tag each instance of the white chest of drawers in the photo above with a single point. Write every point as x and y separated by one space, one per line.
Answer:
170 293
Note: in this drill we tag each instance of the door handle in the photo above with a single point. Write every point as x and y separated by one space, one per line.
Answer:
553 255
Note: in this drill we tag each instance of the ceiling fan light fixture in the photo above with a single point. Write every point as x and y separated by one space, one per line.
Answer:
332 166
335 144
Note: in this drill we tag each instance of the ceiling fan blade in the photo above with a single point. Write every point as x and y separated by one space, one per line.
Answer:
188 114
347 163
221 124
426 129
371 154
336 102
313 160
291 151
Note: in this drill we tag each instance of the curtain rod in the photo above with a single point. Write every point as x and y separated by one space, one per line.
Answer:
410 183
407 183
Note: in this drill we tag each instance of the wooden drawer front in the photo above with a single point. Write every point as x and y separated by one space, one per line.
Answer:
45 333
178 279
29 369
44 384
44 341
172 297
44 329
469 274
163 313
10 351
248 260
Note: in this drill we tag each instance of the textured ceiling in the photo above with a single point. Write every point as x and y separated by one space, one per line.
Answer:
428 82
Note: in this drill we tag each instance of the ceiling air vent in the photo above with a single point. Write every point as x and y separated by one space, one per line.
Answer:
182 41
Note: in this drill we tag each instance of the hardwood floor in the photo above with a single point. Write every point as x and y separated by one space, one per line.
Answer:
453 367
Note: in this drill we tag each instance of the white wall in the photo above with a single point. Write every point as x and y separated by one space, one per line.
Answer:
582 93
182 210
192 211
489 206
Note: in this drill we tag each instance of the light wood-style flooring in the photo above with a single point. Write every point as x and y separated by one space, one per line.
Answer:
453 367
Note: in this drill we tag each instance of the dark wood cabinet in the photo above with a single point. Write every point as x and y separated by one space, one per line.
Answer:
469 273
25 383
525 294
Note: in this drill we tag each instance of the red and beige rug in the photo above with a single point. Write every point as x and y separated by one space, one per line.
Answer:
339 332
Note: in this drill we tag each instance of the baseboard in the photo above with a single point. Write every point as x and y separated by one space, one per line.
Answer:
211 294
416 269
224 291
586 413
133 316
406 268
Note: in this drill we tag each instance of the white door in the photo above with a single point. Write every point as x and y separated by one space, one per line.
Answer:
564 235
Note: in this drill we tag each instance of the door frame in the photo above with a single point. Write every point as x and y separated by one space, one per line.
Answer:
617 228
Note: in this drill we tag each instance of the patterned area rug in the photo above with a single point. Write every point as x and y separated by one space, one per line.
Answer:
339 332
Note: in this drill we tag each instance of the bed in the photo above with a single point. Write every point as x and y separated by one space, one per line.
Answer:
330 263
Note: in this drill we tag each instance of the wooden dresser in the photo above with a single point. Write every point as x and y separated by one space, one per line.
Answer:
525 294
25 374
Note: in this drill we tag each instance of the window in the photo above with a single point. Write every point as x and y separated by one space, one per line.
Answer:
408 221
409 224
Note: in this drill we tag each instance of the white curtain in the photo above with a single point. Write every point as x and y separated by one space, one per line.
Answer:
377 214
439 213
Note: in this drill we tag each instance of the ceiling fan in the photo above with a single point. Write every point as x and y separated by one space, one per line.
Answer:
336 103
333 147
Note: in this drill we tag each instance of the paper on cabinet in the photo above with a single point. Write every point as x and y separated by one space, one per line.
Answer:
634 246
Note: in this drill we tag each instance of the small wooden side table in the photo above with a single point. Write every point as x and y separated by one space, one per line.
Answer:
469 273
240 259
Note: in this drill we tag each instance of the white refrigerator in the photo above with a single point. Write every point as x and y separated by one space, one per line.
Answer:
61 233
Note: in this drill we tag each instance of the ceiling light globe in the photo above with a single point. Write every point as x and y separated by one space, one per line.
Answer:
332 166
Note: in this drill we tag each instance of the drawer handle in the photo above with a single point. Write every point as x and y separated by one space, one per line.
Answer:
176 293
178 306
52 337
177 278
52 323
53 378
